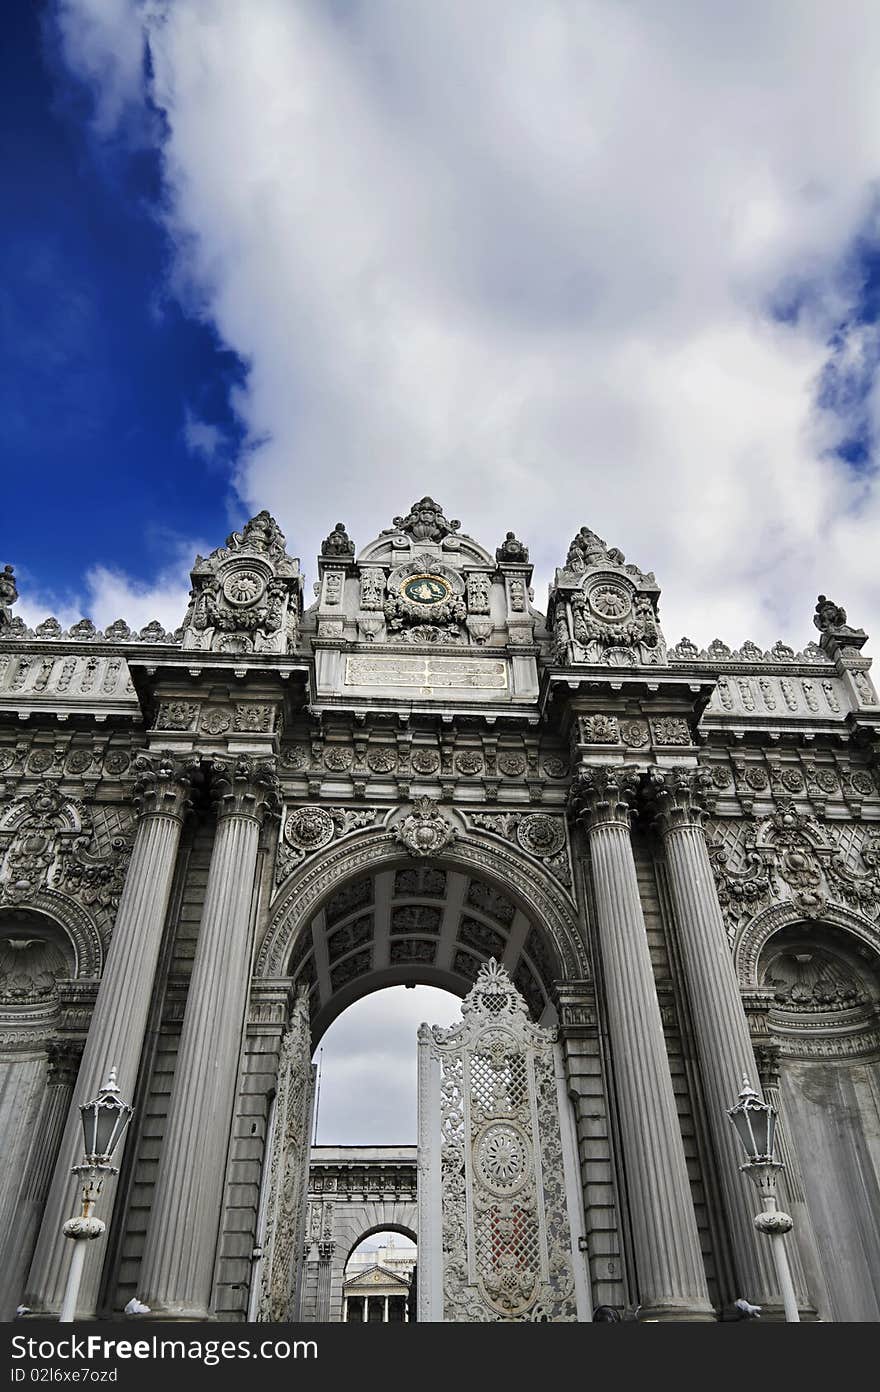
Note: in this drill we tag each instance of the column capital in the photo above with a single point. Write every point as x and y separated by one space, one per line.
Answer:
679 797
604 794
243 786
63 1057
163 783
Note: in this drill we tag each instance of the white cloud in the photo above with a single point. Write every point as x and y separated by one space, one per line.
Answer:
200 436
521 257
368 1066
110 594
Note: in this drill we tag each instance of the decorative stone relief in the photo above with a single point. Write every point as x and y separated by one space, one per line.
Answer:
599 729
338 543
372 587
306 830
215 720
284 1234
425 761
333 587
670 730
425 522
177 715
247 595
47 843
425 601
540 834
478 585
426 830
789 857
252 719
603 611
512 551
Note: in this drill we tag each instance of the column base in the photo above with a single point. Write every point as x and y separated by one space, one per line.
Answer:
671 1311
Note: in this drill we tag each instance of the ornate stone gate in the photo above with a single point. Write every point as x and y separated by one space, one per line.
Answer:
415 774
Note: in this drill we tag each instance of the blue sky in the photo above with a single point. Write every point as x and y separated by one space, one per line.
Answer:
555 263
100 362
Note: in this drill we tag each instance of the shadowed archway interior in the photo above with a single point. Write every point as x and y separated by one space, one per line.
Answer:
425 924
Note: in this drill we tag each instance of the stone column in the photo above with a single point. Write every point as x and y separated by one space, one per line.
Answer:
178 1266
720 1025
669 1265
325 1280
61 1070
116 1034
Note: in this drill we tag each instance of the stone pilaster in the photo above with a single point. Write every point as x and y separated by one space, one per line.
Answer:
670 1272
178 1266
116 1033
720 1025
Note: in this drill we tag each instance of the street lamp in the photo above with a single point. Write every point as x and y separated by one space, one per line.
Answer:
104 1120
755 1125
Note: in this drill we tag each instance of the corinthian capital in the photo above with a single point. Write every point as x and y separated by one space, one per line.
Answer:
245 787
163 783
679 797
603 794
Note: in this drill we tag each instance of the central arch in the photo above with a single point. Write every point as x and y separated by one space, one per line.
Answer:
364 914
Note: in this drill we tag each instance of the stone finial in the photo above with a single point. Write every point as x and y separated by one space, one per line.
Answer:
8 595
838 638
588 549
425 522
829 617
338 543
512 550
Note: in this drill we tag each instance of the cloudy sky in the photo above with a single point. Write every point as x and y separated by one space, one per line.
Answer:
368 1066
558 261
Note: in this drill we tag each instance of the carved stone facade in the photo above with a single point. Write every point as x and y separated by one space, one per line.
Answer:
223 835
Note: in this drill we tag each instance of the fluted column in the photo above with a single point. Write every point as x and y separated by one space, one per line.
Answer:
669 1265
42 1154
116 1034
177 1271
720 1025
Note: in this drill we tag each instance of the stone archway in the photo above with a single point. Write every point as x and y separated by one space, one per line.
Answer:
363 914
812 985
821 981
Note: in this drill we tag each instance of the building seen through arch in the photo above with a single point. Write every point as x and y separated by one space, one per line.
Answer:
644 869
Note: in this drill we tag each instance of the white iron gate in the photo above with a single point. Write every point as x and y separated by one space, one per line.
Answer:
499 1195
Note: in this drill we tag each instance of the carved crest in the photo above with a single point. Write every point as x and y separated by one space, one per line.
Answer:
425 831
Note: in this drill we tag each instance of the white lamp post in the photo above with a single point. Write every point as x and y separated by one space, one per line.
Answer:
104 1119
755 1124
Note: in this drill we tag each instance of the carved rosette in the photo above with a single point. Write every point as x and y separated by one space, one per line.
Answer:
245 787
309 829
163 784
604 794
426 830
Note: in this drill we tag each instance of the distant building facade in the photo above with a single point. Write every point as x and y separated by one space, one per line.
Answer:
212 841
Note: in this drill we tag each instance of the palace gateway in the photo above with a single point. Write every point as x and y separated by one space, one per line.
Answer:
648 872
